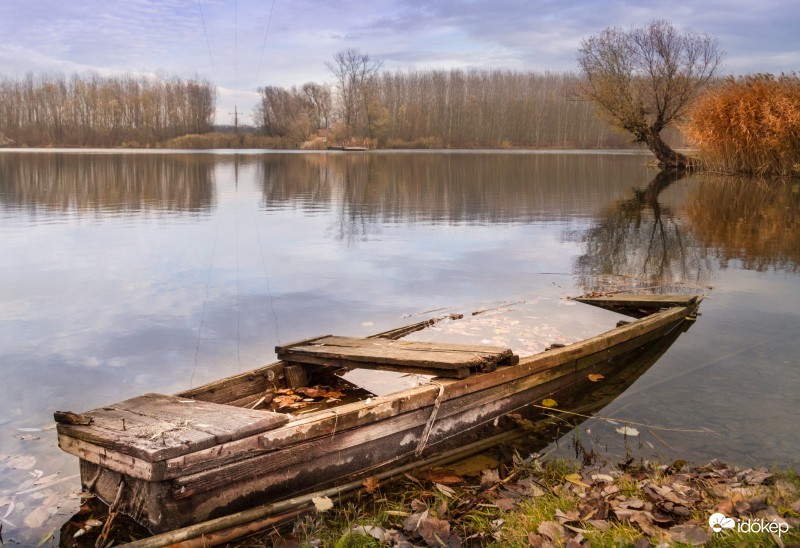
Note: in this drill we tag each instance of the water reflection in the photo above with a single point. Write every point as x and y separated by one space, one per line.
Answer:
107 183
755 222
368 189
641 240
201 263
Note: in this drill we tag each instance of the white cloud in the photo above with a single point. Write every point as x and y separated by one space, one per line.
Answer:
229 44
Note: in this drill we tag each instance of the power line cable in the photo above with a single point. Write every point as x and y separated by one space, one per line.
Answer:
205 302
208 44
264 45
235 57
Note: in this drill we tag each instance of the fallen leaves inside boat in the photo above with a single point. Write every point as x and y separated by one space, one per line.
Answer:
299 398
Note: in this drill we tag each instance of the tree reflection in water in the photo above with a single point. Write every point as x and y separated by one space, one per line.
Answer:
756 222
641 241
107 184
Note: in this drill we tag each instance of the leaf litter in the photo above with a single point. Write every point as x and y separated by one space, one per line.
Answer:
657 504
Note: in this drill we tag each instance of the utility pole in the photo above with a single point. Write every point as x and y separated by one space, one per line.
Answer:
235 120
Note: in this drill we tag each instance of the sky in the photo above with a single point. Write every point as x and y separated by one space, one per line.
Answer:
241 45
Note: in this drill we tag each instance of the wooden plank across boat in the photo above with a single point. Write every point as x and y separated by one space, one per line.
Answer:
441 359
205 453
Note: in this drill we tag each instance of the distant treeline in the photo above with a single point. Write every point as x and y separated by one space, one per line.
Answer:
385 109
443 109
95 110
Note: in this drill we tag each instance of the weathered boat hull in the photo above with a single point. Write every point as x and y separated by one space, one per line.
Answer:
357 439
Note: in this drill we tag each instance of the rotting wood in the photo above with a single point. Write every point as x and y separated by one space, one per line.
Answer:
434 358
232 390
637 299
360 413
435 352
458 373
252 514
301 342
68 417
375 429
224 422
114 460
331 465
214 456
238 386
400 332
155 427
132 434
295 374
638 305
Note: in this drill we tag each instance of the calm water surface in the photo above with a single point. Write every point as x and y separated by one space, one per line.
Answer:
125 273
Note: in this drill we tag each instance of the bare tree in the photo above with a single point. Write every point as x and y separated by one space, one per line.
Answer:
91 110
644 79
353 71
318 98
285 113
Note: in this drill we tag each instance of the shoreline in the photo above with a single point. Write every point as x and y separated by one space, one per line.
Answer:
481 501
564 503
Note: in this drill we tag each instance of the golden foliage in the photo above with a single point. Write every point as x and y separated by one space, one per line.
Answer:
749 125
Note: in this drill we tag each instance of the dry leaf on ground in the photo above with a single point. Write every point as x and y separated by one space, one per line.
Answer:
435 532
577 480
371 484
322 503
505 504
552 530
445 477
489 478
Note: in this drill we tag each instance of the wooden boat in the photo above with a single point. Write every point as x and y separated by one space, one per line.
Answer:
348 148
205 453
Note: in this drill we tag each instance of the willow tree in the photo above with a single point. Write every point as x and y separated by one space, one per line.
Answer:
644 79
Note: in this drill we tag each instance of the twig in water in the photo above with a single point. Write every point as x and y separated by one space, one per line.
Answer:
656 436
425 312
496 308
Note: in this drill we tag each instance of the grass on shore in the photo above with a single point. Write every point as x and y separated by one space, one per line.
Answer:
558 503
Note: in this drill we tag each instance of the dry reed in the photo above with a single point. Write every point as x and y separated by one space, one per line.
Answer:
749 125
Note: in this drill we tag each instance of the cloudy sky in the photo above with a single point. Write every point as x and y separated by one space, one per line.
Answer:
242 44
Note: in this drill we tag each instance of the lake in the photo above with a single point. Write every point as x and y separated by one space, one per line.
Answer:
127 272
